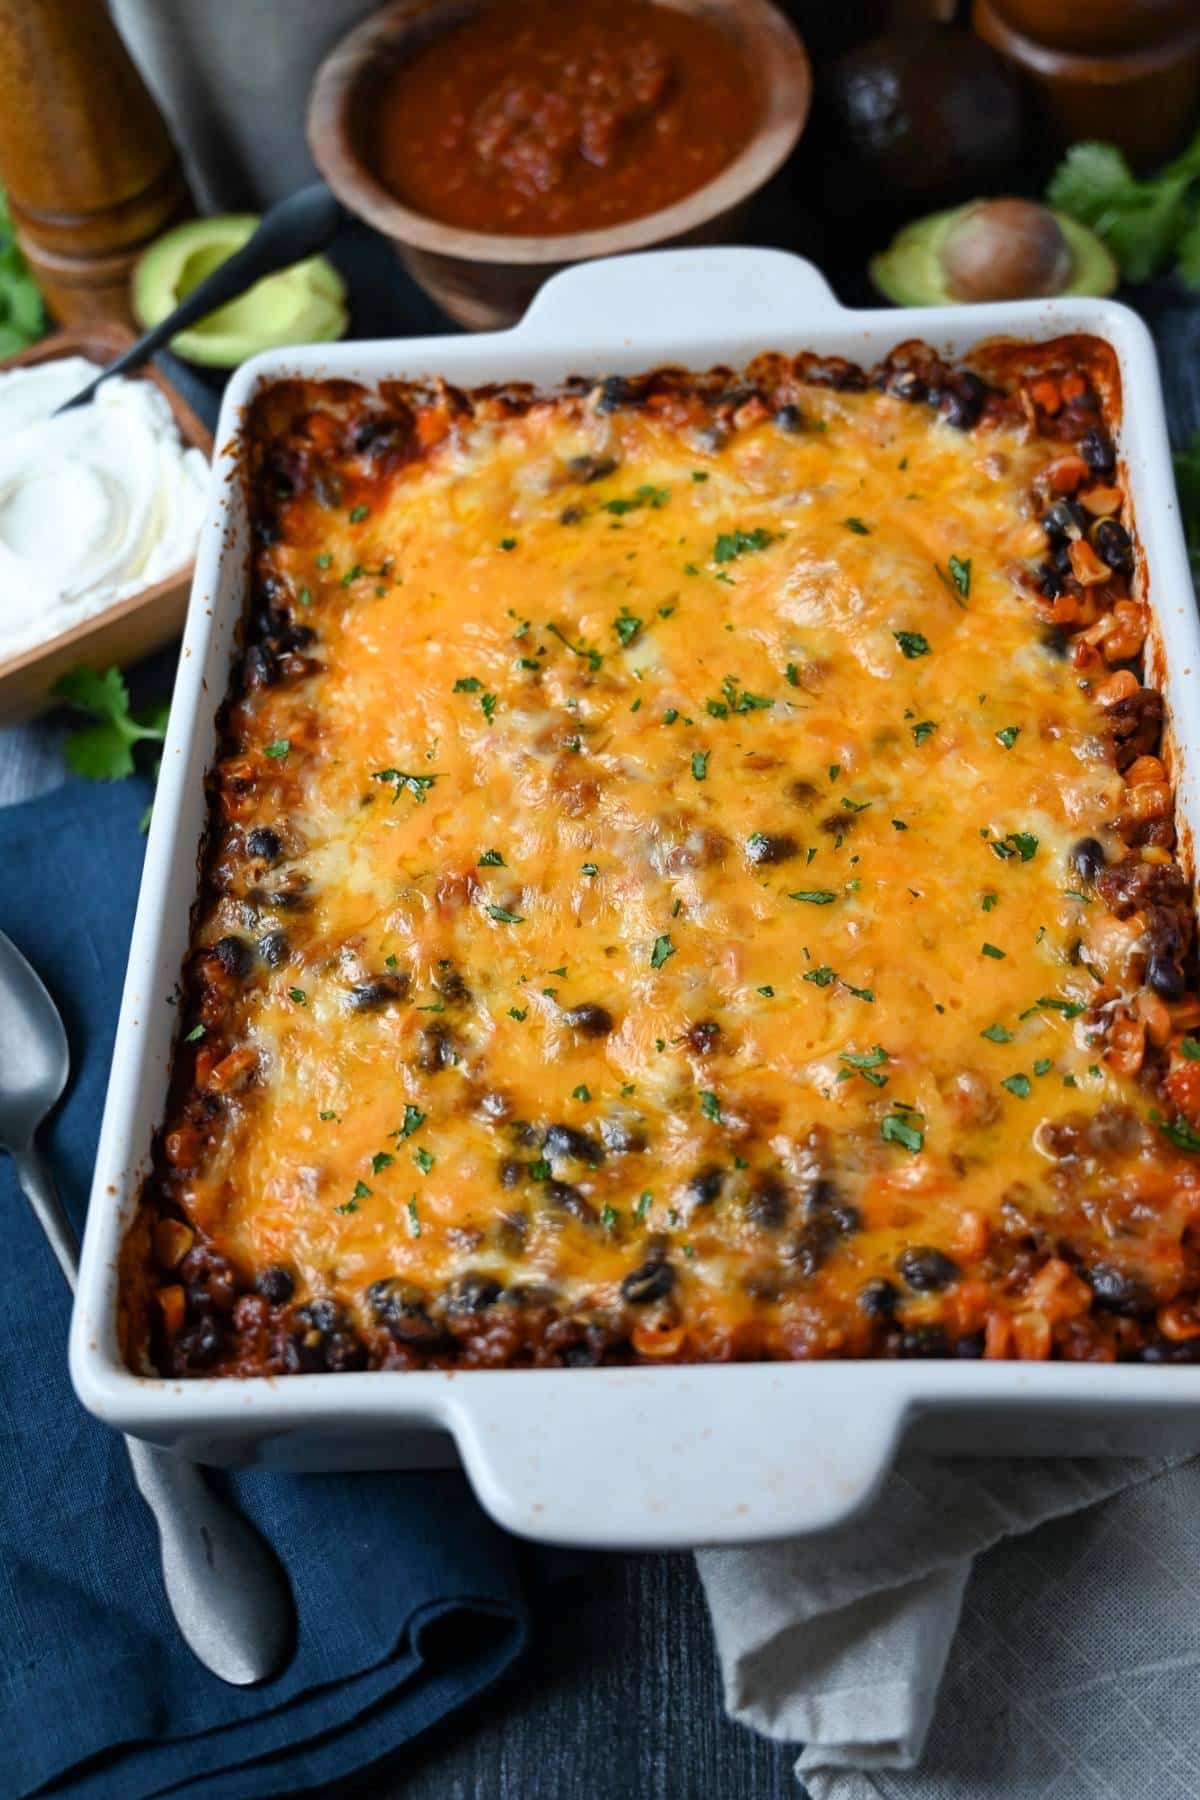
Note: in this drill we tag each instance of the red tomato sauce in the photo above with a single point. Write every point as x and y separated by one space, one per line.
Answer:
540 117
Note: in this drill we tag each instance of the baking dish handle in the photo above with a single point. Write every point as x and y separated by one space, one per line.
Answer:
659 1459
677 294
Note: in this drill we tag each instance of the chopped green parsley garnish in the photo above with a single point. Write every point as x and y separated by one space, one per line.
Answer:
710 1106
923 729
768 993
907 1128
195 1034
491 859
626 626
1008 736
699 474
1183 1135
417 785
866 1063
700 764
582 1092
821 977
663 947
382 1159
298 995
515 1012
467 684
912 644
423 1160
999 1034
857 526
502 915
280 747
324 559
1190 1048
814 897
589 869
989 900
488 706
643 1206
413 1119
1014 843
1019 1085
1043 1065
508 543
732 544
358 514
593 658
646 495
991 950
414 1217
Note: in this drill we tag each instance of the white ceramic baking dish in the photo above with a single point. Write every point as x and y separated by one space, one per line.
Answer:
655 1457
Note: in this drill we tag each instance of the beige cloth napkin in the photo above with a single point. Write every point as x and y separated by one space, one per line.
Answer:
842 1643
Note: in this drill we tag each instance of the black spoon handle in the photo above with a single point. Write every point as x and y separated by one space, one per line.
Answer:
298 227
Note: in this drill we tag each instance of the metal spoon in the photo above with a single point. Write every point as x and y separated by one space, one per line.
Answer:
225 1586
298 227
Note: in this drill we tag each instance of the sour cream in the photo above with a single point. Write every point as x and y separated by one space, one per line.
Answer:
94 505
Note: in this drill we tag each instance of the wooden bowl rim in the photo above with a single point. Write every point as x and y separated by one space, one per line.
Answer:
774 49
104 342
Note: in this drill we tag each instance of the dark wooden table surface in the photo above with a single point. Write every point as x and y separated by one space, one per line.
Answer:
620 1697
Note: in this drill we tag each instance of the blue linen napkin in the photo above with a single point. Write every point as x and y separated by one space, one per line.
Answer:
410 1601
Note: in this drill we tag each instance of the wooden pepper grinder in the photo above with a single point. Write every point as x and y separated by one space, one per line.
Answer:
1124 71
91 174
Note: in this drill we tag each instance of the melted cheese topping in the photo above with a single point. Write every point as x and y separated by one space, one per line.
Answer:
755 751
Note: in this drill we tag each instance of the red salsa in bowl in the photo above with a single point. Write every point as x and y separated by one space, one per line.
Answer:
538 118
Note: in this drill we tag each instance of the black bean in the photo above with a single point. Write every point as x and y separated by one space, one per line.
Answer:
233 954
652 1281
766 847
1050 586
970 1346
925 1269
274 948
590 1019
810 1247
564 1142
322 1315
878 1299
591 468
275 1284
584 1355
705 1186
961 404
376 430
264 843
621 1136
304 1353
768 1203
820 1196
1113 546
452 986
1166 978
1096 449
1064 522
344 1352
703 1037
400 1306
617 391
789 418
571 515
435 1049
202 1345
844 1219
923 1340
569 1200
1161 1350
1088 858
472 1293
906 384
378 991
1114 1291
511 1173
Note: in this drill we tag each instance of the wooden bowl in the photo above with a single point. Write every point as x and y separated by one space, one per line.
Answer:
130 628
485 279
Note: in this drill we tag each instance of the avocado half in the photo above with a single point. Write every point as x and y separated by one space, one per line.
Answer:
992 250
305 304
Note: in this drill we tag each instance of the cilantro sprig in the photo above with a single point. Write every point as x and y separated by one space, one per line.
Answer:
103 751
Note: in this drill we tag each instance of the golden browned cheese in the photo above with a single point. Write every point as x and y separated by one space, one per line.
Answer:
674 868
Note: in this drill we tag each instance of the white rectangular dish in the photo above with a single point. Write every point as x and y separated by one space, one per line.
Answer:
617 1457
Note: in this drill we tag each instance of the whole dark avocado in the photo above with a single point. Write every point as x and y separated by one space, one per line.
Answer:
919 118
